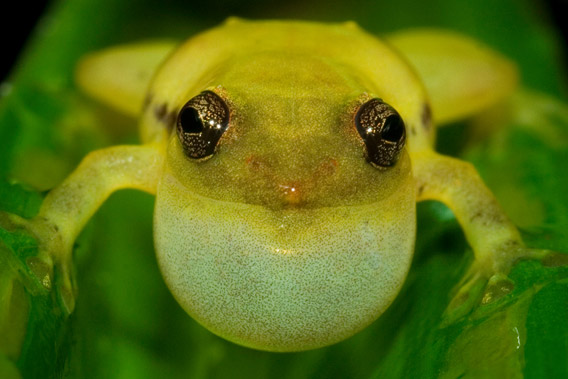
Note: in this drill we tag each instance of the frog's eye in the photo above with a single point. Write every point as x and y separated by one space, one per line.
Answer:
382 130
201 123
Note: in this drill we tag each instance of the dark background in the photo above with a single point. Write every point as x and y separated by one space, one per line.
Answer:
19 23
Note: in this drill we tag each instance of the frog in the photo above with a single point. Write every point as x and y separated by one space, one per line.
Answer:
287 159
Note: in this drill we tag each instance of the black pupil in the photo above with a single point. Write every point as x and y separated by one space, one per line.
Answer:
393 128
190 121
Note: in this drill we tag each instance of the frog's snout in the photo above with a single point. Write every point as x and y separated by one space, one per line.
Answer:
291 193
292 185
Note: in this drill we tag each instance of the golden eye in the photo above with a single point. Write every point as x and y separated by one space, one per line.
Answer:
383 132
201 123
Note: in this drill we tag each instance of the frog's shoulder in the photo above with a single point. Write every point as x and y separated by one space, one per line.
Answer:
462 76
119 75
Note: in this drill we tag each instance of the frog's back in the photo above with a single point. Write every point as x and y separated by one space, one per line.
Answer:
372 68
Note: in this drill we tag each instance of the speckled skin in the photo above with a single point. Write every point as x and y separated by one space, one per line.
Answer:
287 238
283 280
282 288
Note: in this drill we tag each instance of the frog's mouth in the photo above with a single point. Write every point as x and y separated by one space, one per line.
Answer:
292 193
329 181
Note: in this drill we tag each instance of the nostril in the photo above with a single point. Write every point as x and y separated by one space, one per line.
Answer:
328 167
254 162
283 183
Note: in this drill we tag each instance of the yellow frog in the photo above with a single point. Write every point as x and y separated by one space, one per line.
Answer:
287 159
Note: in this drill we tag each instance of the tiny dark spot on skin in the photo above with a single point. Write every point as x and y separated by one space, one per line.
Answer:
165 117
413 130
160 111
171 119
426 117
487 219
421 189
511 244
515 243
148 100
475 216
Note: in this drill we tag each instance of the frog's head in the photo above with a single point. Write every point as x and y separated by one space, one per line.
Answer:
285 216
287 130
288 120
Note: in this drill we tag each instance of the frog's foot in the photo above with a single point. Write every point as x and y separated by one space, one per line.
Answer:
476 289
486 283
50 268
554 259
467 294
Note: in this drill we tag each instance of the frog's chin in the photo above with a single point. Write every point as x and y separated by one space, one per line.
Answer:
296 281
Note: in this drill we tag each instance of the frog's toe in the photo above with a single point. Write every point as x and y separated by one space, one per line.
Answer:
54 270
55 276
486 283
48 269
65 287
477 287
498 285
466 295
41 268
507 256
553 258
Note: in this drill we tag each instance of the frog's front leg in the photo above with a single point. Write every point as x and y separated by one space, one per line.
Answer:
68 207
495 241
